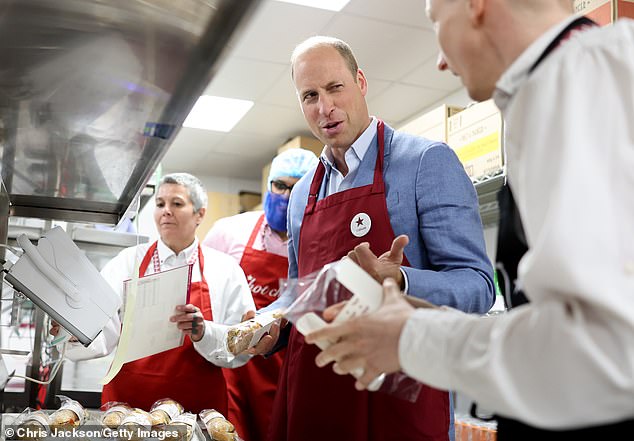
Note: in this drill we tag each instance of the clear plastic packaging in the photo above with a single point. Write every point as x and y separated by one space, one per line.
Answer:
317 291
218 427
137 423
247 334
34 425
114 413
163 411
183 426
70 414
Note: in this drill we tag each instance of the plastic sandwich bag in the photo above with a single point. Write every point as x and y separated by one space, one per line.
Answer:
317 291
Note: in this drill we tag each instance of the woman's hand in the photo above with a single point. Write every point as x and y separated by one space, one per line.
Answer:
189 319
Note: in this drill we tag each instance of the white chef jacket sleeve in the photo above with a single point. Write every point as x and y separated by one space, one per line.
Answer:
230 300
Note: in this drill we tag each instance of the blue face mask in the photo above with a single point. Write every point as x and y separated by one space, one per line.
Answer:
275 206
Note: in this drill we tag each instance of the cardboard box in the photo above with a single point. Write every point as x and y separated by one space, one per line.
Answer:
476 136
265 175
248 200
605 11
433 124
303 142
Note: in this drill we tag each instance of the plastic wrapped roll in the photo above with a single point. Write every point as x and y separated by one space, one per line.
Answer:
163 411
244 335
218 427
184 424
70 414
34 425
114 414
137 422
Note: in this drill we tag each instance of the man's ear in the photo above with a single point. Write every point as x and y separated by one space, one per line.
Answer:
362 82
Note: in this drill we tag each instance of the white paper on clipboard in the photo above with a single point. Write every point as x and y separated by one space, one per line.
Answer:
150 302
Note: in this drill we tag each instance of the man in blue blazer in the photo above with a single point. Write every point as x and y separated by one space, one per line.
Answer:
432 201
373 184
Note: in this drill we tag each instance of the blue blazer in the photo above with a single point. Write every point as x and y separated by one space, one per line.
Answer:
431 199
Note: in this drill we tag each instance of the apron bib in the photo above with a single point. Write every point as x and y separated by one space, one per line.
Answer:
180 373
252 387
314 404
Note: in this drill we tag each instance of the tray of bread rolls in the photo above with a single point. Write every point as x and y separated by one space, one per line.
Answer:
166 420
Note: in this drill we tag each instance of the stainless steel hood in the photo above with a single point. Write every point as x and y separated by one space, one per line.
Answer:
92 93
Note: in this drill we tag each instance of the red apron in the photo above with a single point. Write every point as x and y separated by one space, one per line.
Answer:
252 387
314 403
180 373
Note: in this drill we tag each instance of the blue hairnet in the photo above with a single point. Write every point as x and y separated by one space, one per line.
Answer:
293 163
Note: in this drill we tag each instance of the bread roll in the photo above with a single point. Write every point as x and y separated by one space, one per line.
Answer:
137 422
239 336
115 414
165 410
185 423
70 414
218 427
35 425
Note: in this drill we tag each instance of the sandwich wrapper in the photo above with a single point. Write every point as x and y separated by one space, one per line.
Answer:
342 281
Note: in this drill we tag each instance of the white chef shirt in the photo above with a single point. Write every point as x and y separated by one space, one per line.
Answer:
229 293
567 358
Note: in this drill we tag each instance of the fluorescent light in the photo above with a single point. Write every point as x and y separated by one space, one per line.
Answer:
330 5
217 113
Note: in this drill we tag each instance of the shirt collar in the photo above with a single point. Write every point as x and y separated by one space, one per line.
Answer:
518 71
359 147
166 252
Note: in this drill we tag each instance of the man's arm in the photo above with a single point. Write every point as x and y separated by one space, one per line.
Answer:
459 271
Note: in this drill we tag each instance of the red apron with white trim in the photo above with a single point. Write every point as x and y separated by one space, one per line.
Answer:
314 403
180 373
252 387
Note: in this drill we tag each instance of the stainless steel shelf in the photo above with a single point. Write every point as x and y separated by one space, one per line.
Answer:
92 94
487 190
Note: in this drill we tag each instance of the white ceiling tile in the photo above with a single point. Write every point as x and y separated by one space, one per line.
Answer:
403 12
428 75
383 50
277 28
249 145
234 166
400 102
376 87
190 145
273 121
244 79
282 92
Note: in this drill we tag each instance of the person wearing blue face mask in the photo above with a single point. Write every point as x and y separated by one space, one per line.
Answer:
258 241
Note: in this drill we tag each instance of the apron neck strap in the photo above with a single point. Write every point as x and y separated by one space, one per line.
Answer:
147 258
153 255
580 24
255 231
377 184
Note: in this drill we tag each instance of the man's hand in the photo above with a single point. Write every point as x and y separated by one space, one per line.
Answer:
247 316
267 343
189 319
368 342
55 330
386 265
